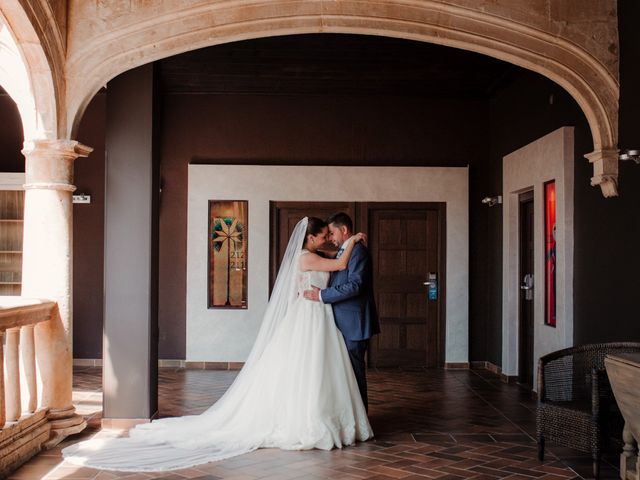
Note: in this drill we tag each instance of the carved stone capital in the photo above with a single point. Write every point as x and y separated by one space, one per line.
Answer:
49 163
60 147
605 170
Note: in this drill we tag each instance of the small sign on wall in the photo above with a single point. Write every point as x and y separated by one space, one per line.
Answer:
227 254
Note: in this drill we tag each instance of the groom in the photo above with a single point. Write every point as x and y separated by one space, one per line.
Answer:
350 294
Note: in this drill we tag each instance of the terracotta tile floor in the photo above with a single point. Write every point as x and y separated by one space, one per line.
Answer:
429 424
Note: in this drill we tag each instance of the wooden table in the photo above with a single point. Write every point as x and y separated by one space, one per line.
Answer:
624 375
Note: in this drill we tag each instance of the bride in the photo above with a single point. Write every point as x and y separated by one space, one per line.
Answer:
297 390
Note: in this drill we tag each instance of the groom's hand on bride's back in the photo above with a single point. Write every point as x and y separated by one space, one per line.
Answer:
313 294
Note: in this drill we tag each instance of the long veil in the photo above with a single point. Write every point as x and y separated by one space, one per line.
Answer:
282 297
237 423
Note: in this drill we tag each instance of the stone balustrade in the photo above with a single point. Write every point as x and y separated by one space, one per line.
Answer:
24 424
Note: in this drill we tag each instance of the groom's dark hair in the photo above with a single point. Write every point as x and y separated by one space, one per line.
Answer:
341 219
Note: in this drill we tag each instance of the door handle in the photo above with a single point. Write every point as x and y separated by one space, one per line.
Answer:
527 282
527 286
432 286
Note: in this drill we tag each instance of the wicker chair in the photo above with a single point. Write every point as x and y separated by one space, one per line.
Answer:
576 407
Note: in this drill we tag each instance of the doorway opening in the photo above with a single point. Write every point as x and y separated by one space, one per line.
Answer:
526 310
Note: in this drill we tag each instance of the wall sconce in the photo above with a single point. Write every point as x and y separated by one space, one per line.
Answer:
491 201
630 155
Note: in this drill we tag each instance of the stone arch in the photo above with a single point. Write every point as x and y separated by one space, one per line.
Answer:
530 46
25 74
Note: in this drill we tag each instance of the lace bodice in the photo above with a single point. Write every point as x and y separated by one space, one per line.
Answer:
309 278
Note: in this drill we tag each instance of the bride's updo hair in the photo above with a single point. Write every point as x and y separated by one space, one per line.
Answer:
314 227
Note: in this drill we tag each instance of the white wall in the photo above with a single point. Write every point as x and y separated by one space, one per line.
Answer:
548 158
227 335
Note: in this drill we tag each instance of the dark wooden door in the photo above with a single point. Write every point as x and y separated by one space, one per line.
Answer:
405 243
525 352
285 216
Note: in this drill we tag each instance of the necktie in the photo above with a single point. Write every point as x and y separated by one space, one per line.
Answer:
339 254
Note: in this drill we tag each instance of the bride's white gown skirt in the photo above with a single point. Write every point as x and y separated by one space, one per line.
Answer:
300 393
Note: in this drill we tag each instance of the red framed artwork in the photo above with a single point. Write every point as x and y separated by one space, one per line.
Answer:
227 254
550 264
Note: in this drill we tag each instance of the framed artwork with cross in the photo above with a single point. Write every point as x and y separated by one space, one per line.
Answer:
227 246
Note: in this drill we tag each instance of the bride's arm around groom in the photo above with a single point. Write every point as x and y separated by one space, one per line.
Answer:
350 293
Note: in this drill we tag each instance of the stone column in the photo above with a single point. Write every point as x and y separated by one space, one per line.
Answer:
47 271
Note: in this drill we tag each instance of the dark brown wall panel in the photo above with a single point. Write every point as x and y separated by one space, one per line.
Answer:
323 130
88 235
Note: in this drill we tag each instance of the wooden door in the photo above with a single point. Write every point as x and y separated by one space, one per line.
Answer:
525 353
407 249
285 216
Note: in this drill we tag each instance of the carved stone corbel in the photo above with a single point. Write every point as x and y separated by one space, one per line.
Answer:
605 170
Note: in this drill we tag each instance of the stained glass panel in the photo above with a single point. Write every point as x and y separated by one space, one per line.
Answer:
227 254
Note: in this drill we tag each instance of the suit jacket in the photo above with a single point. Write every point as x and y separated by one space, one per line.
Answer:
350 293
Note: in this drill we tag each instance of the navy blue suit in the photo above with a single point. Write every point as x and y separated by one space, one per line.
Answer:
350 293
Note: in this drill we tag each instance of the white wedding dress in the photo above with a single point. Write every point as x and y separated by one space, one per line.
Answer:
297 391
